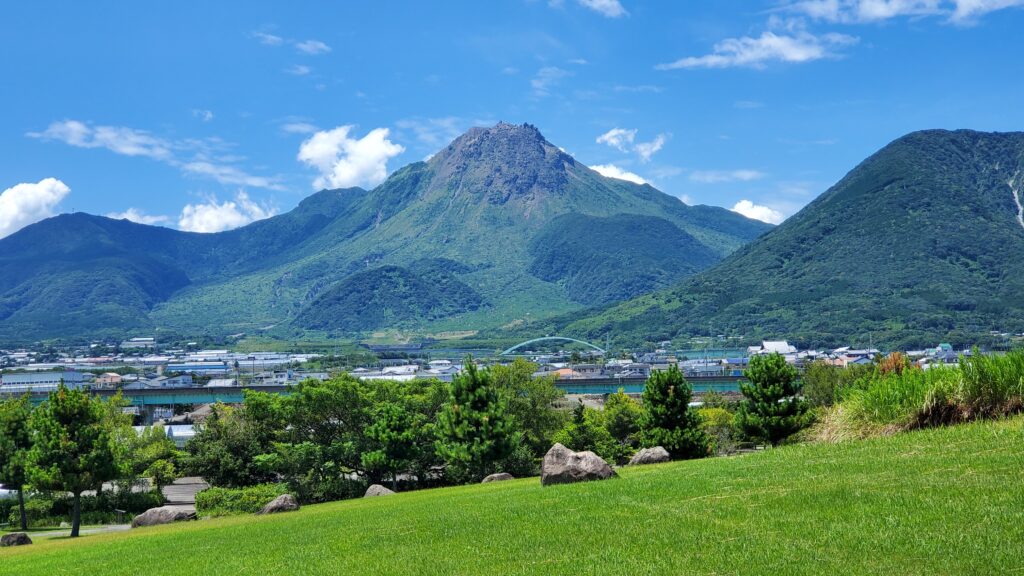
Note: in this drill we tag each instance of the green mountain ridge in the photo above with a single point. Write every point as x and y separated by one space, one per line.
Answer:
476 206
919 243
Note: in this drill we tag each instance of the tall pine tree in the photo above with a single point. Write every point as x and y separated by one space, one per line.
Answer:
771 411
474 430
15 442
667 420
71 449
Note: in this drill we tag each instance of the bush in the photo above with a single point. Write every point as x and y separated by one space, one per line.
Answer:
978 387
720 427
214 502
585 431
825 384
521 463
46 509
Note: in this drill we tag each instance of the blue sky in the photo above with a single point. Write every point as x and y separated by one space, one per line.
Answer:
205 116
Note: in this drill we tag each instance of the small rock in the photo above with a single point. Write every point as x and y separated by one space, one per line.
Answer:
499 477
15 539
377 490
162 515
562 466
650 456
283 503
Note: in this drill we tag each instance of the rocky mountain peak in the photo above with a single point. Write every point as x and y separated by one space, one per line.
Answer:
503 162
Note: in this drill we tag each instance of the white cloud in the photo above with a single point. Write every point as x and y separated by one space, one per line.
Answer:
215 216
719 176
27 203
623 139
969 10
228 174
620 138
204 115
137 216
268 39
436 132
546 78
613 171
798 46
298 128
312 47
298 70
344 161
859 11
192 156
758 212
865 11
647 149
117 139
607 8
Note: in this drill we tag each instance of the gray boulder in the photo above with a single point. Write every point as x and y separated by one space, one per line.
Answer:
562 466
283 503
15 539
377 490
499 477
650 456
163 515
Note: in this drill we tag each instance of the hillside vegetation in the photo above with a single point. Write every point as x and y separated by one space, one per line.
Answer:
480 203
918 244
601 260
939 501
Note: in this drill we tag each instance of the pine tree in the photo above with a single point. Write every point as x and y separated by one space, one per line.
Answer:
71 451
667 420
15 442
771 411
395 434
474 430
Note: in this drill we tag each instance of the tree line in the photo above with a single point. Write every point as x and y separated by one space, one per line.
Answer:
73 443
327 440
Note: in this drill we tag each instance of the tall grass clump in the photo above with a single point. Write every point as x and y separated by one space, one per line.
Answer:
885 400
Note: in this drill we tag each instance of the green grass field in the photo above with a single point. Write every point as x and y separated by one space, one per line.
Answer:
941 501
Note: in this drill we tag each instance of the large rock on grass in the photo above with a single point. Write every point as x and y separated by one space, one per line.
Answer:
163 515
562 466
283 503
15 539
499 477
377 490
654 455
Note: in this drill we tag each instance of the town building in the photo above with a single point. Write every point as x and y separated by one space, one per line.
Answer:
17 382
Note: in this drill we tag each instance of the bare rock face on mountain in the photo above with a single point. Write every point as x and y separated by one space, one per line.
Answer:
504 162
563 466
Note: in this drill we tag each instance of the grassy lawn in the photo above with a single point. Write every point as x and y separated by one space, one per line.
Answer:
944 501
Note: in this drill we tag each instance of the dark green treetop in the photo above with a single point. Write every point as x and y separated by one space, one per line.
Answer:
771 411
